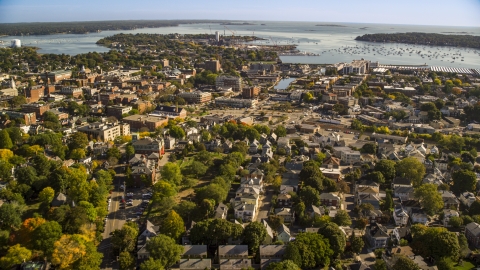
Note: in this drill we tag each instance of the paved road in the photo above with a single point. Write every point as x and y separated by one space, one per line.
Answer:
265 204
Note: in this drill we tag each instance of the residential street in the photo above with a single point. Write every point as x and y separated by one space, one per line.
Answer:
265 204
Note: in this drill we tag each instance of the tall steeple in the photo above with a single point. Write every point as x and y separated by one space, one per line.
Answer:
12 84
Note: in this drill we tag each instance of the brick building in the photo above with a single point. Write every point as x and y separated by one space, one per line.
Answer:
137 122
196 97
251 92
37 108
35 93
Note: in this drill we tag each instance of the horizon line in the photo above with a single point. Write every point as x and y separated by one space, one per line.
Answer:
230 20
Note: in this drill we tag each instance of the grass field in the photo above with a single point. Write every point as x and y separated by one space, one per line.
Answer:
466 265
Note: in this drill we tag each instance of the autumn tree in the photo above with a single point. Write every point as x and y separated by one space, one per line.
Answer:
45 236
67 250
15 255
46 195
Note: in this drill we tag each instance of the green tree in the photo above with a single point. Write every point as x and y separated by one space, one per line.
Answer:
212 191
185 209
253 235
386 168
196 168
78 140
114 152
129 151
412 169
434 242
455 222
280 131
369 148
380 265
464 180
164 249
404 263
313 249
283 265
152 264
126 260
309 196
89 210
45 237
377 177
124 239
172 225
177 132
356 243
5 141
430 198
171 172
10 216
46 195
335 237
342 218
15 255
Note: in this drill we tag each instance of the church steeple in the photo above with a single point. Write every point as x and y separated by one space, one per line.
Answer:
12 84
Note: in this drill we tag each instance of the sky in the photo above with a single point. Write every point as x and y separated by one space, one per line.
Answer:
414 12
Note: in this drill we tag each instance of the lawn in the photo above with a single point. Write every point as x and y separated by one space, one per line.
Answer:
466 265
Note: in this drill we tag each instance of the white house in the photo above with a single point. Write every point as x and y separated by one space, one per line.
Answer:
400 216
467 198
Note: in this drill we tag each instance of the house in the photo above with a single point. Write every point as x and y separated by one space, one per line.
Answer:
371 199
221 211
283 234
315 211
287 214
60 200
467 198
194 264
450 201
194 251
367 184
350 156
272 251
284 199
447 215
233 252
400 216
404 193
284 143
419 217
374 216
376 235
401 182
148 232
330 199
402 233
244 211
290 179
269 237
254 147
472 233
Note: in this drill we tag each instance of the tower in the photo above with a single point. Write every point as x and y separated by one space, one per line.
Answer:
12 84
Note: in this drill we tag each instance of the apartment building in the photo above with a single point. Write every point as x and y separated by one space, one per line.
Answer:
118 110
251 92
212 65
357 67
229 81
152 122
105 132
28 117
37 108
196 97
236 102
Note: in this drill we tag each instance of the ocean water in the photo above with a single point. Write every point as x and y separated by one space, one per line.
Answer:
331 42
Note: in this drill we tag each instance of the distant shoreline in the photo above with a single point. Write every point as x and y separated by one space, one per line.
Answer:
331 25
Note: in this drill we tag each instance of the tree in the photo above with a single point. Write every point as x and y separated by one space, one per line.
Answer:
78 140
455 222
152 264
380 265
172 225
212 191
356 243
342 218
430 198
464 180
309 196
343 187
369 148
46 195
91 260
386 168
126 260
10 216
335 237
434 242
280 131
45 237
215 231
283 265
15 255
25 233
124 239
177 132
313 249
5 141
474 208
164 249
171 172
412 169
404 263
129 151
67 250
196 168
6 154
114 152
253 235
163 189
388 204
377 177
308 97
